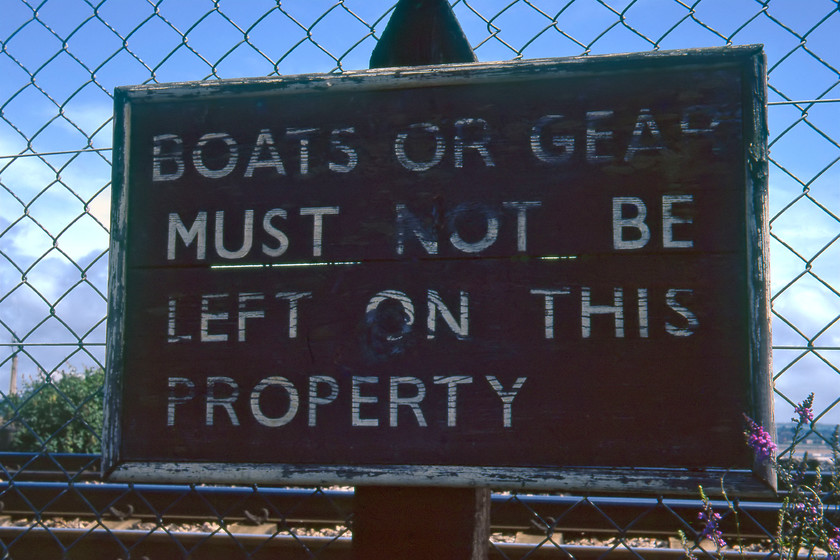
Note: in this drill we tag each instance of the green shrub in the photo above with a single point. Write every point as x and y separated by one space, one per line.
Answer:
61 412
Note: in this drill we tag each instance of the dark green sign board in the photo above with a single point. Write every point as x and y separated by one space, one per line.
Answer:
544 274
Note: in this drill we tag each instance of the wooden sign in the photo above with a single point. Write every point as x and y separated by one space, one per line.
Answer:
540 274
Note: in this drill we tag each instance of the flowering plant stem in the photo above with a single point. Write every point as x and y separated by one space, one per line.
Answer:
802 523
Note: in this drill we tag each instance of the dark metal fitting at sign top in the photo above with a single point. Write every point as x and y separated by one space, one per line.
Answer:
422 32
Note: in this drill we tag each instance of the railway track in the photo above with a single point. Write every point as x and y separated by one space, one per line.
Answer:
325 507
56 506
43 544
55 467
165 521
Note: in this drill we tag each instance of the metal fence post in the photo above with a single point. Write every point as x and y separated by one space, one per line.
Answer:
421 522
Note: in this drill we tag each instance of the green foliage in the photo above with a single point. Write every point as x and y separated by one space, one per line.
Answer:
803 523
59 413
805 527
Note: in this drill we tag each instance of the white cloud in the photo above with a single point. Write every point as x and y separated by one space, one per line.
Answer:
53 206
25 310
100 207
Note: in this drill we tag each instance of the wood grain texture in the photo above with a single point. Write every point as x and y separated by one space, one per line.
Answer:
532 267
424 522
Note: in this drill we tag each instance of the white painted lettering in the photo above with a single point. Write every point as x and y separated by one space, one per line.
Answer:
212 401
410 164
479 145
636 223
587 310
245 314
247 236
549 307
207 316
275 401
690 319
642 298
521 221
337 144
640 141
408 312
452 383
491 230
265 143
696 121
232 155
303 135
565 144
315 400
358 400
506 396
293 298
197 233
669 220
173 158
412 402
318 214
425 235
291 392
174 399
171 335
594 136
268 227
460 327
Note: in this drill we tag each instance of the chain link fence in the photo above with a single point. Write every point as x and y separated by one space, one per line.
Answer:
60 62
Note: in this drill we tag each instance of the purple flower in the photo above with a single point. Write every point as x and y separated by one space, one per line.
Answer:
808 512
760 441
711 529
804 411
834 546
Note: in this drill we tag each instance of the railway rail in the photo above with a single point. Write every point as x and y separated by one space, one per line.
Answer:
300 507
165 521
49 467
112 544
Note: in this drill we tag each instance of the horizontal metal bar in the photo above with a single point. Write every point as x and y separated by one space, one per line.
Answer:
27 543
10 344
172 503
806 348
51 344
63 153
803 102
35 542
511 551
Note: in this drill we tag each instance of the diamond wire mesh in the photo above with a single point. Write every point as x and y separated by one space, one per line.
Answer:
61 60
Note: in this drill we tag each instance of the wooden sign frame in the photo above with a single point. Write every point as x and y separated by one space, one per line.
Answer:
455 171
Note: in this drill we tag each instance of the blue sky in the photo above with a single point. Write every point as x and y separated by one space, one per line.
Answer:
61 60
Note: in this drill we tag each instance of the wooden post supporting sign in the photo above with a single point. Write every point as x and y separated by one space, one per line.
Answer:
421 522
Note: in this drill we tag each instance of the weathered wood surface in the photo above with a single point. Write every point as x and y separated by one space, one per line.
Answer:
627 480
536 265
422 523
